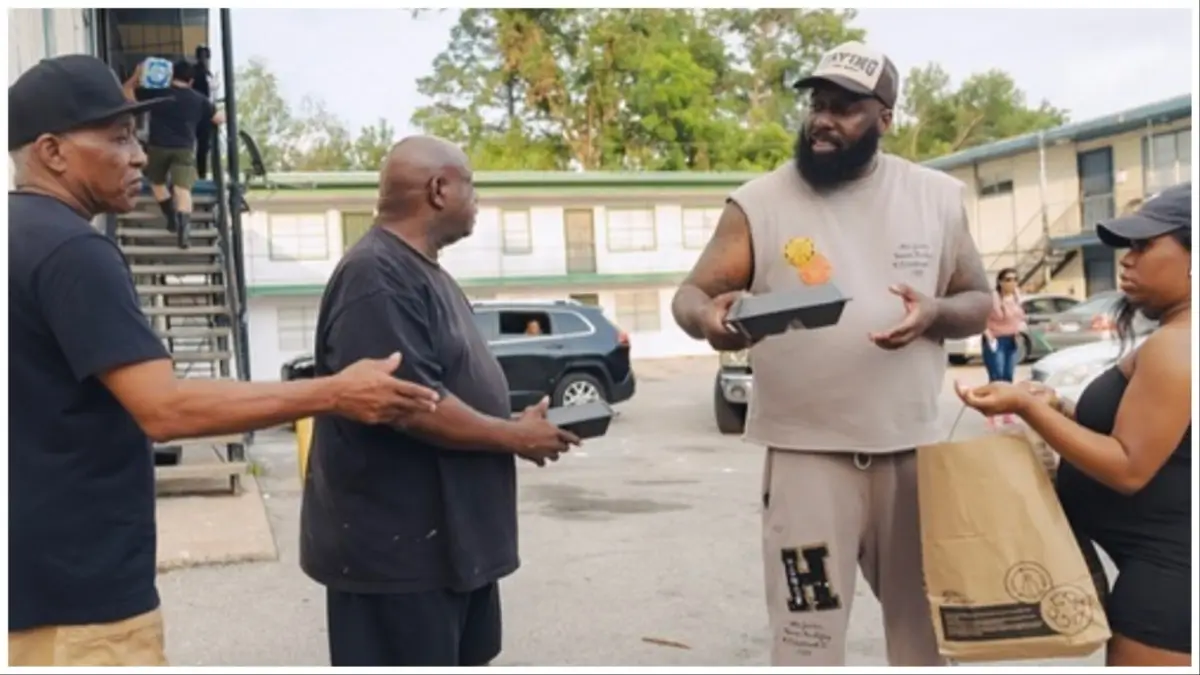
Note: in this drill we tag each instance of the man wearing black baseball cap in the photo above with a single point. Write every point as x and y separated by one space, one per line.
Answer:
90 383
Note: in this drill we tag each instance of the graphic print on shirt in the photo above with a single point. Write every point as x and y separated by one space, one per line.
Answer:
913 258
813 268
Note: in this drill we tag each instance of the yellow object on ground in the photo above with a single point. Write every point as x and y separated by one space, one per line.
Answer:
304 430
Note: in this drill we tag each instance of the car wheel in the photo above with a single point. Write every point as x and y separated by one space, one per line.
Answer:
731 417
577 388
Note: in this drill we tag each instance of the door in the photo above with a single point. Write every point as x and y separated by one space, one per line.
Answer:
1099 269
1096 183
580 233
528 357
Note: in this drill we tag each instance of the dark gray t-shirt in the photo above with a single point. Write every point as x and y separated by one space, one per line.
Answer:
383 511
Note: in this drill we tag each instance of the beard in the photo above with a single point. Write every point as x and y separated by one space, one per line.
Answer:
831 169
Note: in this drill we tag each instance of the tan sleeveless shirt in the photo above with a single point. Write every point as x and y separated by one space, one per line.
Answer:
832 389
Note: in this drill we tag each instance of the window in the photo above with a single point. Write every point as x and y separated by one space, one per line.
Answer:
354 226
989 187
524 324
698 226
590 299
631 230
638 311
1167 159
298 236
485 321
296 327
563 323
515 233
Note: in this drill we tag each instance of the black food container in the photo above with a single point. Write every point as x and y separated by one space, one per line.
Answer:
808 307
586 420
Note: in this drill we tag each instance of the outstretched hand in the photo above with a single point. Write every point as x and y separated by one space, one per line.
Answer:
920 311
996 398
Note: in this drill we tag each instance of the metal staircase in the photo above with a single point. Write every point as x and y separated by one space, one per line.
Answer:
191 300
1036 262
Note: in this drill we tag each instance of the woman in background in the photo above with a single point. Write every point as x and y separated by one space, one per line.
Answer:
1004 324
1125 481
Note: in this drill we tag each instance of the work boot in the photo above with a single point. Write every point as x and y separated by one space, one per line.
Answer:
168 210
183 221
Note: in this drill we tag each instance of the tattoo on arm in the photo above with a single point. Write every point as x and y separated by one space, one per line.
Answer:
726 264
968 300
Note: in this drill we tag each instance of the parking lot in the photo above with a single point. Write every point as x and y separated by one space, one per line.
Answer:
640 548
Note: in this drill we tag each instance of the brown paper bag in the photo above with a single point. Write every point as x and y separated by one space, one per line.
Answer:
1004 573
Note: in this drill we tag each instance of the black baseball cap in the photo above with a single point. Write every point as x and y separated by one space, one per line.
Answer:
1163 213
858 69
63 94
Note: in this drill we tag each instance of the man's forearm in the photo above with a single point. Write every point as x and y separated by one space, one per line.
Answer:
196 408
689 302
961 315
456 426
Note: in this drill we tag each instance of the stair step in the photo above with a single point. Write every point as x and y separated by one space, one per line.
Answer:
194 310
184 333
147 215
171 250
181 289
164 233
201 357
214 469
180 268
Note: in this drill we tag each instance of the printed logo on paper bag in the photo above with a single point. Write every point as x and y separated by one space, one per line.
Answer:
1040 610
813 268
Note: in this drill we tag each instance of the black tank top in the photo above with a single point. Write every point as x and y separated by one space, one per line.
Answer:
1154 524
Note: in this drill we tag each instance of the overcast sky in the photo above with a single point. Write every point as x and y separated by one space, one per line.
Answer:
365 63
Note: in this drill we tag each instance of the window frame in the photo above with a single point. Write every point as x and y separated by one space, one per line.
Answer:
652 245
275 221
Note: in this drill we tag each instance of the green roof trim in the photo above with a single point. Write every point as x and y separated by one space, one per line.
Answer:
1162 112
487 180
573 282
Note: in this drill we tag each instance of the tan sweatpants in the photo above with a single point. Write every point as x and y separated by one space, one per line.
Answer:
826 515
137 641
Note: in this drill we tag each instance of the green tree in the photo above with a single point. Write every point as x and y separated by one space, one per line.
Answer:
935 119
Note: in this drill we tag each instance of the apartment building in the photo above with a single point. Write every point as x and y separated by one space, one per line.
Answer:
620 241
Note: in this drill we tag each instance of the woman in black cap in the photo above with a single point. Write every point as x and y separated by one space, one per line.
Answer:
1126 475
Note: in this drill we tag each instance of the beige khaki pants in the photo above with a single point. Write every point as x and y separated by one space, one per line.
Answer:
825 516
132 642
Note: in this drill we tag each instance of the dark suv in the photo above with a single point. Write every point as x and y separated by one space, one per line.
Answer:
562 349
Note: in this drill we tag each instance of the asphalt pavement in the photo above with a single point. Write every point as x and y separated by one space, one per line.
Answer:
639 549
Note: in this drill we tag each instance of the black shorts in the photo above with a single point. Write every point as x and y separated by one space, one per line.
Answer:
1152 605
433 628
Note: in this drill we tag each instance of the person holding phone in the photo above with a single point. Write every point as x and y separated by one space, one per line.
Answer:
1004 324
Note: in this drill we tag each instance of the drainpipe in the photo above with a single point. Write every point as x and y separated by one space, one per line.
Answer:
1151 165
1046 271
234 199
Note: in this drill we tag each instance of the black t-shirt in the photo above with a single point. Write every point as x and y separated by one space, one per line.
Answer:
81 476
174 124
384 512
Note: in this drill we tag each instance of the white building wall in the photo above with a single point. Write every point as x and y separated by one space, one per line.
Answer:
34 34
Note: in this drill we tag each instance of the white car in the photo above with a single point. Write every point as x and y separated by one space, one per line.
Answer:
1070 371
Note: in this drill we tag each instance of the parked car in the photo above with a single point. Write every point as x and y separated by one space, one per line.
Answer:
563 349
1070 371
1038 310
1087 322
731 395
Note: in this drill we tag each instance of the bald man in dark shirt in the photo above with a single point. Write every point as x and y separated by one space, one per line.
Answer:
410 529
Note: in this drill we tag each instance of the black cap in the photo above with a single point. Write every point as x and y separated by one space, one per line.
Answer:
63 94
1163 213
859 69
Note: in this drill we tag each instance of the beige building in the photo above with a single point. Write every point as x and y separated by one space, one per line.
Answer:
1037 197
